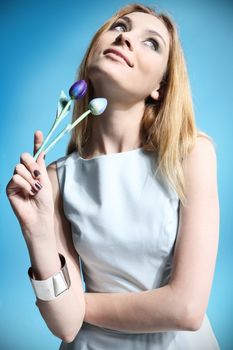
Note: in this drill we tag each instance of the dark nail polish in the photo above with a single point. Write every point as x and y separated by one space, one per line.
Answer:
38 185
33 190
36 173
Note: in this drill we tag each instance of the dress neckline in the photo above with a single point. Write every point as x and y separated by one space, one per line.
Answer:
110 155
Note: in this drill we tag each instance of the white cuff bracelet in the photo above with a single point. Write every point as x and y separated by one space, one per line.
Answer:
50 288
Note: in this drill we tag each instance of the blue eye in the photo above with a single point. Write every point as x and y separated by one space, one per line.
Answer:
118 24
154 43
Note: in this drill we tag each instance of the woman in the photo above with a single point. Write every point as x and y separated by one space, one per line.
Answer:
135 198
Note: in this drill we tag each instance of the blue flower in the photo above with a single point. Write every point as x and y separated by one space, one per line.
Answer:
78 89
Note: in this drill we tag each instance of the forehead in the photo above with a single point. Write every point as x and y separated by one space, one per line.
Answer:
143 21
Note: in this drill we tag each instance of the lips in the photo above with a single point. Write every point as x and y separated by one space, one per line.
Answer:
118 53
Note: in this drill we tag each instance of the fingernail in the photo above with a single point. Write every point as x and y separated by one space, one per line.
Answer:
33 190
38 185
36 173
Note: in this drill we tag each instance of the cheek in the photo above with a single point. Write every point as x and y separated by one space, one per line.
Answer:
151 66
102 44
147 69
104 41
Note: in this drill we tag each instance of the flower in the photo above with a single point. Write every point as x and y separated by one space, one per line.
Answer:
97 105
78 89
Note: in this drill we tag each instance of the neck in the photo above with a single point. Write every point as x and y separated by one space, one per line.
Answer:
116 130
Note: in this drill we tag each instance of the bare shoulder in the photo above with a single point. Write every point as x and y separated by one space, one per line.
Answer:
62 224
52 174
201 169
204 147
52 169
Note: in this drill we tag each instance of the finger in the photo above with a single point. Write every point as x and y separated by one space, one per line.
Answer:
38 140
41 161
21 170
29 162
19 183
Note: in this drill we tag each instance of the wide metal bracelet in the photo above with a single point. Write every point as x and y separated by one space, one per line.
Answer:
50 288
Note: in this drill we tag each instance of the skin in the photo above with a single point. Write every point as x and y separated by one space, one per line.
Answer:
125 87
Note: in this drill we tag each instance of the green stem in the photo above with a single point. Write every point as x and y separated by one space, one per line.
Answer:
58 137
54 126
80 119
68 128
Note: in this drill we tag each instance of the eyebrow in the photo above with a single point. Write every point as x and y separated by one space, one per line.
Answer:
149 31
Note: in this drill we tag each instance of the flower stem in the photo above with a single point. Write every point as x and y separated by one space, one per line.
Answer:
54 126
68 128
58 137
77 121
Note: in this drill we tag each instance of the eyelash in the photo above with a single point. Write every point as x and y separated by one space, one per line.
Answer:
155 43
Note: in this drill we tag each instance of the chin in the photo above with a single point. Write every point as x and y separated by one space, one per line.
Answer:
107 75
108 65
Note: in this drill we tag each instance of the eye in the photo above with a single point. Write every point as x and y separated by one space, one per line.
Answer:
118 24
153 43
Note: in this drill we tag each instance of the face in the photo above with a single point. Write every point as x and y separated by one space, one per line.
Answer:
131 57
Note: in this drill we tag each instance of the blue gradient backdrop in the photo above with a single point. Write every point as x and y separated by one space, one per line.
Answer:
42 44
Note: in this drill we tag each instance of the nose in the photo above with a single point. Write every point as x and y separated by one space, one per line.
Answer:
122 38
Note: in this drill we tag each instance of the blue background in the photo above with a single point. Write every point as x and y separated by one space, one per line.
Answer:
42 44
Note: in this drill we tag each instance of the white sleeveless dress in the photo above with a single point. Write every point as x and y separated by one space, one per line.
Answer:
124 223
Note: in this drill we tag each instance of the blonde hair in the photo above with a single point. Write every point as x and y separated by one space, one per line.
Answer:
168 124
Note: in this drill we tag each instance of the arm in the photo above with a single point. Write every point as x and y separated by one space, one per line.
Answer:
182 303
63 315
149 311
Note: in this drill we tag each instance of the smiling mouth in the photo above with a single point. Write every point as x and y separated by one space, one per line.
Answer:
117 54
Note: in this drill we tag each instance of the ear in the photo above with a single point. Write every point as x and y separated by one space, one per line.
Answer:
155 93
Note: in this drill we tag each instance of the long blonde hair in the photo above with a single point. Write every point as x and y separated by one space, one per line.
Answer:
168 124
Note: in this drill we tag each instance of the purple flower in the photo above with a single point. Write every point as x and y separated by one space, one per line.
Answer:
78 90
